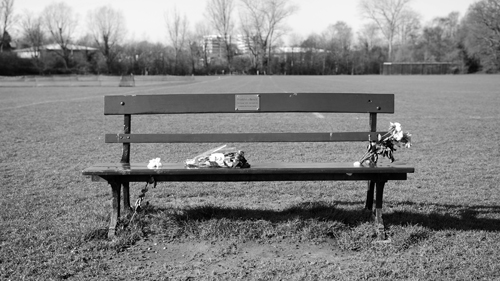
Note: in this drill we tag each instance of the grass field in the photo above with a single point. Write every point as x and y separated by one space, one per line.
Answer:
443 223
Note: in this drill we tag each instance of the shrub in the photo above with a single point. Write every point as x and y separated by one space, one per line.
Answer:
12 65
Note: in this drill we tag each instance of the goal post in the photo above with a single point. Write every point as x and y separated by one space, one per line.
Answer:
419 68
127 81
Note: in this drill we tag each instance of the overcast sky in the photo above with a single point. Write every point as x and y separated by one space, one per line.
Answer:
145 18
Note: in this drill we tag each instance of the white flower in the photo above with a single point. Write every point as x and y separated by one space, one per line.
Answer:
357 164
154 163
398 135
217 158
396 126
396 131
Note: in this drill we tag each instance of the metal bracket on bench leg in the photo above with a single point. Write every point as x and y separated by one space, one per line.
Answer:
379 224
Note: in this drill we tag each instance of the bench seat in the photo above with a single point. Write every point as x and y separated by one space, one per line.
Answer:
176 172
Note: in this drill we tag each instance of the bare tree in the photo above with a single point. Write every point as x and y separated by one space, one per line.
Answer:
107 26
408 32
220 13
483 38
294 40
6 21
61 23
387 14
449 24
340 35
439 40
369 36
32 31
409 27
338 39
367 51
312 44
202 30
262 22
177 29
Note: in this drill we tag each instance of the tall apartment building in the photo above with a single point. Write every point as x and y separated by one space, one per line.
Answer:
215 45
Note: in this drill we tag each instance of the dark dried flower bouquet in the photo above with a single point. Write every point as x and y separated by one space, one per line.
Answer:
385 145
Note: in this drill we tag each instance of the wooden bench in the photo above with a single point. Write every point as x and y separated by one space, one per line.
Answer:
120 174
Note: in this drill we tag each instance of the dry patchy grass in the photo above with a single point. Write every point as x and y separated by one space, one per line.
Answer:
444 222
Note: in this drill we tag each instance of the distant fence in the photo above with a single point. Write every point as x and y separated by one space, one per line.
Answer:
86 80
419 68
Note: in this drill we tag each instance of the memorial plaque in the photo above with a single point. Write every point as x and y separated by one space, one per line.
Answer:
247 102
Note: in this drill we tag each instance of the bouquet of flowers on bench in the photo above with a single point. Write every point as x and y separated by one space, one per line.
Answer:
220 157
385 145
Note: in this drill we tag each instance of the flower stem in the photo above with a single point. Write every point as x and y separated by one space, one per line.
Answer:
367 155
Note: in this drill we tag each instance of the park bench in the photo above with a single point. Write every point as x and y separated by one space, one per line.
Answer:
120 175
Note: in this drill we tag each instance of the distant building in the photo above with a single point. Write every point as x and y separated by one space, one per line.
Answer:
289 50
243 44
297 52
32 52
215 45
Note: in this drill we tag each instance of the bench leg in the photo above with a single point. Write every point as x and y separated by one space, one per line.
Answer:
369 196
378 210
115 212
126 197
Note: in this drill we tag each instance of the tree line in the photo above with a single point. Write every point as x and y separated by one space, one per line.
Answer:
394 32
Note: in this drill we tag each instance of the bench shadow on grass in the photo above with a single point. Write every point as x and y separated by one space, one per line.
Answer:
443 217
353 214
446 216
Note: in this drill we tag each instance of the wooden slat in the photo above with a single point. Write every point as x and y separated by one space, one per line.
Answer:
265 177
258 172
259 167
241 137
268 102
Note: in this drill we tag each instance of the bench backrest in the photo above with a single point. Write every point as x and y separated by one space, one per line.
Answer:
245 103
